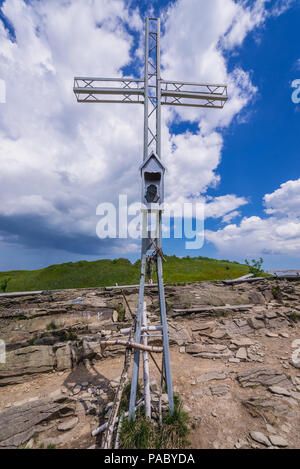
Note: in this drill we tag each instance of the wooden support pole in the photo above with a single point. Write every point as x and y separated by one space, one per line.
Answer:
146 367
128 343
143 329
107 443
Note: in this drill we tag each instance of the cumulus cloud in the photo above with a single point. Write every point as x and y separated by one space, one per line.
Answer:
277 234
285 200
226 204
60 159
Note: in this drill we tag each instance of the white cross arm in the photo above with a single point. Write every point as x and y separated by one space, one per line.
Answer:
131 90
180 93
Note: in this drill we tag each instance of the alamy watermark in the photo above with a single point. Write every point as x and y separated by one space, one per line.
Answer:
179 220
2 351
2 91
296 92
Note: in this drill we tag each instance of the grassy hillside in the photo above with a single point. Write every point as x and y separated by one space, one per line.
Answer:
107 272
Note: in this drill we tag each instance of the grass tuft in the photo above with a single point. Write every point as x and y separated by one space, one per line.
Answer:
51 326
143 433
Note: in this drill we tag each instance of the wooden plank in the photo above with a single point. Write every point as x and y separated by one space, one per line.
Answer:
214 308
286 277
128 343
119 287
244 277
247 280
283 271
21 293
208 308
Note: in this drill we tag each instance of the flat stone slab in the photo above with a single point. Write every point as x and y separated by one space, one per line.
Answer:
279 390
219 389
272 335
242 342
260 438
68 425
218 334
199 348
209 351
263 377
18 424
278 441
211 376
275 406
203 327
242 354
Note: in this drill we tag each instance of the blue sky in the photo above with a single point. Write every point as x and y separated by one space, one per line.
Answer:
59 159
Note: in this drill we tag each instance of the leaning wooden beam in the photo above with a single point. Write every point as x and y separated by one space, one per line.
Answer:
105 425
107 443
162 379
127 304
128 343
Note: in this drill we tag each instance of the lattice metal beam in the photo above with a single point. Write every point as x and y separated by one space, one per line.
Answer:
178 93
117 90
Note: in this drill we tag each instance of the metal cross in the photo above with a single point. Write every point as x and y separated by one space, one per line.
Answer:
153 92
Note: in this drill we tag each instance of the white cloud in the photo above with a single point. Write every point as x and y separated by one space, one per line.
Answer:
281 6
196 34
230 216
245 19
285 200
60 159
223 205
276 234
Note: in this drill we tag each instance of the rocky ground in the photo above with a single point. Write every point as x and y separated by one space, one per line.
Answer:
236 369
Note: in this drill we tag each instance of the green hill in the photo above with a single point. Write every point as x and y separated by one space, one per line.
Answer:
101 273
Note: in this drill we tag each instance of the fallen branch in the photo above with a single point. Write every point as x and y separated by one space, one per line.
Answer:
117 442
128 343
200 309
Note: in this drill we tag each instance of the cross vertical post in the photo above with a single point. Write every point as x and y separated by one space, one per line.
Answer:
152 134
